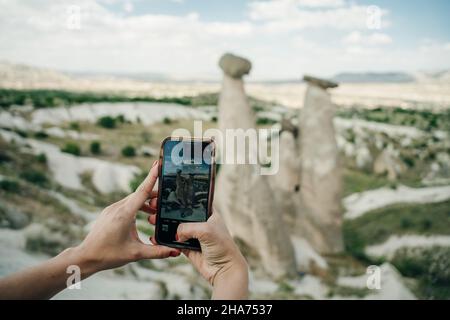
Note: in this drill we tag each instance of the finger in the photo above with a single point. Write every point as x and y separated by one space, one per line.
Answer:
195 230
153 240
148 209
144 191
152 219
150 206
157 251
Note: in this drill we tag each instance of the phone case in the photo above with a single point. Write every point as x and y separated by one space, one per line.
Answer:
211 187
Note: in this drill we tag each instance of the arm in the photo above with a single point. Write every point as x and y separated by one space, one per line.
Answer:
51 275
112 242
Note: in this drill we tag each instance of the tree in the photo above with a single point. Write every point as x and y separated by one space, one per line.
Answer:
96 147
128 151
107 122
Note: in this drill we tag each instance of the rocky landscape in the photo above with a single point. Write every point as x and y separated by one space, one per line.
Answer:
60 165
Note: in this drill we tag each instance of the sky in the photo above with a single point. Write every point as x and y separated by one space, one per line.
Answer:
183 39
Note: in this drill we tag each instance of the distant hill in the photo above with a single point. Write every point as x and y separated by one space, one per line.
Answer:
378 77
23 76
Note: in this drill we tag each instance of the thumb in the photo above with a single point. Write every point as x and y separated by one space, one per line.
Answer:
196 230
148 251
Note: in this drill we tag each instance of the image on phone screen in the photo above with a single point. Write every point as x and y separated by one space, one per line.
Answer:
185 186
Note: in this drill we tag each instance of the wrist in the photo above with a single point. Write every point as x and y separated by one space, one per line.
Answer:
77 256
231 282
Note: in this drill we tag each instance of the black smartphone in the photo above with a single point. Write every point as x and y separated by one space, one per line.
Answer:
186 187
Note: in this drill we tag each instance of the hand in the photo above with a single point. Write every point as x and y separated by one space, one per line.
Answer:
113 240
220 262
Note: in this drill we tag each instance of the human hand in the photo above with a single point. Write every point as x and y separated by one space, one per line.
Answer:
220 262
113 240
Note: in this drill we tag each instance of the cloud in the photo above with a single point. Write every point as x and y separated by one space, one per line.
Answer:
128 7
373 39
278 36
291 15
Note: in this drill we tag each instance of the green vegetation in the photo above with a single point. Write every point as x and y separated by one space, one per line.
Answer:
40 135
120 118
35 177
167 120
41 158
107 122
43 98
431 267
421 119
128 151
74 126
357 181
378 225
9 186
72 148
96 147
265 121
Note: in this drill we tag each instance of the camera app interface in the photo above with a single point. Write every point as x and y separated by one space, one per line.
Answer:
185 185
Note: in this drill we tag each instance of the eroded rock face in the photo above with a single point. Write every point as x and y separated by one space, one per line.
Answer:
320 214
285 184
234 66
387 162
243 197
321 83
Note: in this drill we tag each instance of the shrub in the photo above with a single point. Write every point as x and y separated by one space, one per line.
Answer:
405 223
41 135
96 147
128 151
265 121
426 224
72 148
167 120
354 243
74 126
21 133
34 177
107 122
41 158
120 118
9 185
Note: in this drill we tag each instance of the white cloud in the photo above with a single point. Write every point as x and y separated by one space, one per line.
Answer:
291 15
186 45
281 9
373 39
128 7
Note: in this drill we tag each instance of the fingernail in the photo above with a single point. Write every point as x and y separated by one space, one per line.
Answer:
173 254
154 163
176 237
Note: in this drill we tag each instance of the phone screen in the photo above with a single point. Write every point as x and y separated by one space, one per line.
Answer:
185 188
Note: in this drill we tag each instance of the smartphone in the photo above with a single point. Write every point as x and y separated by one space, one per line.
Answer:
186 187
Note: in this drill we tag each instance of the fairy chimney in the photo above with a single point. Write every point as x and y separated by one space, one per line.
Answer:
243 196
320 174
